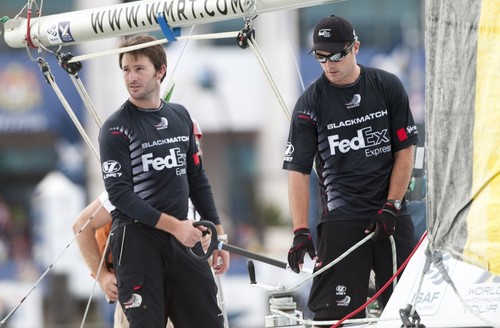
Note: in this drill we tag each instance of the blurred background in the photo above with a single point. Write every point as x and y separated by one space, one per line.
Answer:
48 174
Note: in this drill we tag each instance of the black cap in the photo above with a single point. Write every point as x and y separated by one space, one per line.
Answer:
332 33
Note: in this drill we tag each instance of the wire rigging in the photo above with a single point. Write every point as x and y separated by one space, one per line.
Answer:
115 51
50 79
4 320
253 45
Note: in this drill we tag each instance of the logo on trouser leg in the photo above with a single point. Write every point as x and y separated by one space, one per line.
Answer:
344 302
133 302
341 290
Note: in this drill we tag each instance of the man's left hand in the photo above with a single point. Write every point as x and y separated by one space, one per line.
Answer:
383 223
220 261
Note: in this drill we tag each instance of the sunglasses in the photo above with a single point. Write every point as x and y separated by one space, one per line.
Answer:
334 57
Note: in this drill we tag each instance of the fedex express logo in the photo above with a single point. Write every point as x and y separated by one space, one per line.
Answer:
175 159
365 138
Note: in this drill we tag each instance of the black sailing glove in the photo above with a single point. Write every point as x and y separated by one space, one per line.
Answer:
302 243
384 222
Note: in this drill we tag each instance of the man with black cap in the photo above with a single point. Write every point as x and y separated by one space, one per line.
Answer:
354 122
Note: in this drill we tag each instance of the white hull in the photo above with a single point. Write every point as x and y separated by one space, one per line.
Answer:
438 305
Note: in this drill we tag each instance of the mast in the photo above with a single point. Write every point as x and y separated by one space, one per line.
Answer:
135 17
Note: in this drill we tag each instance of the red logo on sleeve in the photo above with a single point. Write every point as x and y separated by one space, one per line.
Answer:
196 159
402 135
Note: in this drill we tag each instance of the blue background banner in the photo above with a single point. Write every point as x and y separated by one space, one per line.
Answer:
28 104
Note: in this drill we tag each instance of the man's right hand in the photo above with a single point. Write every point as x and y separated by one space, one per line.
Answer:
186 233
302 243
107 281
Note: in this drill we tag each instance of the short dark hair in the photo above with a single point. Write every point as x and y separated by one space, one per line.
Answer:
155 53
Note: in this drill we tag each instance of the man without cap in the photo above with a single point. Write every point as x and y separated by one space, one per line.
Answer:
92 228
150 167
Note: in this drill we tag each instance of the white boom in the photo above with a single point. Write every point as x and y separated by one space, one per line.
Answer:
136 17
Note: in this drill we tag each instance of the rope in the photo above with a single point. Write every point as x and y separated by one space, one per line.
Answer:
101 264
427 265
152 43
296 63
437 259
332 263
350 250
467 306
171 83
394 260
381 290
29 42
86 99
309 323
253 45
